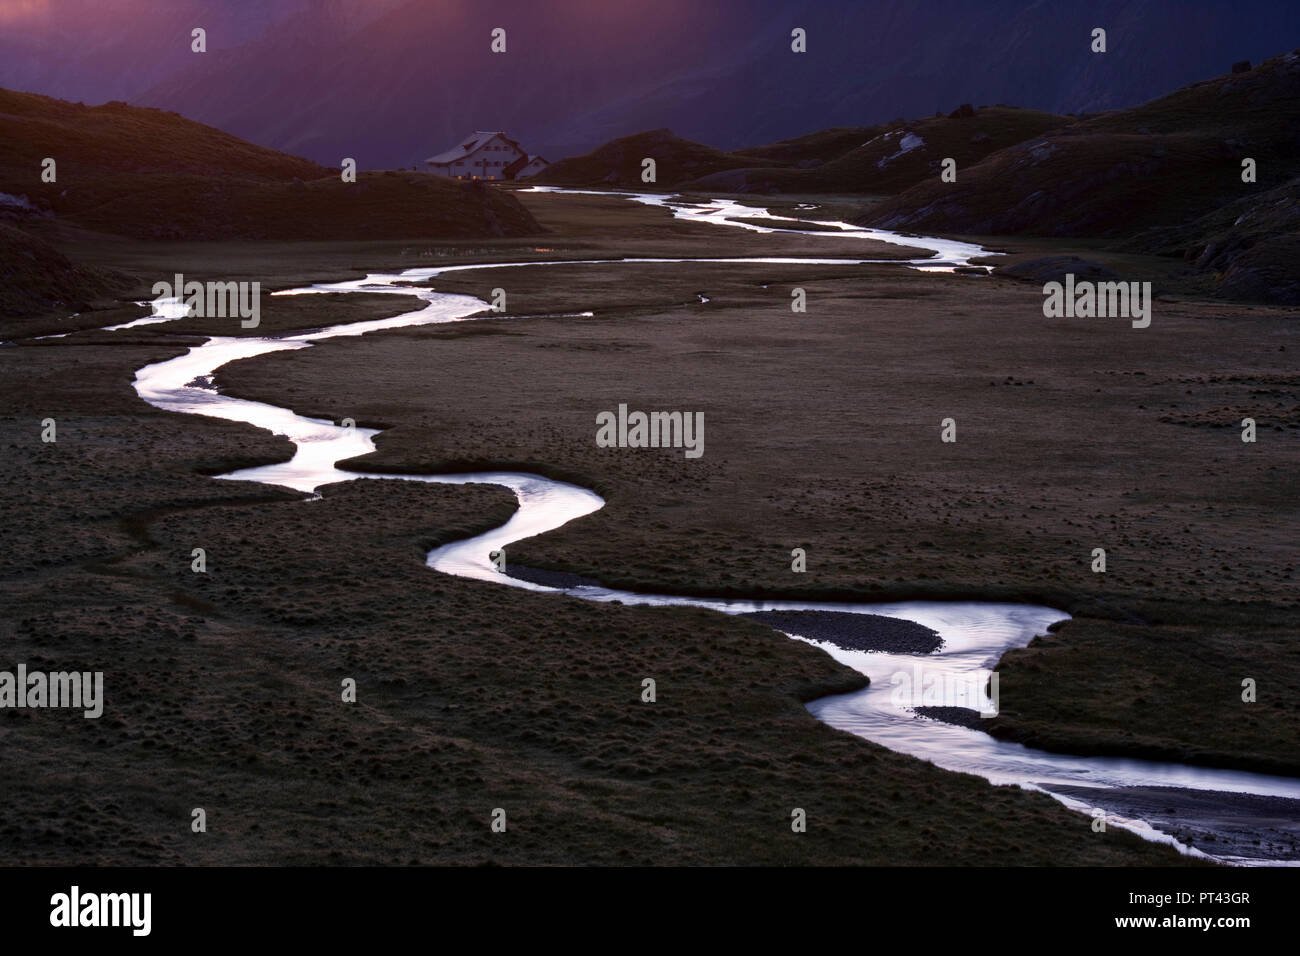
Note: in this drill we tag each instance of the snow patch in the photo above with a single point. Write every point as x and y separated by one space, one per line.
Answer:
909 142
21 202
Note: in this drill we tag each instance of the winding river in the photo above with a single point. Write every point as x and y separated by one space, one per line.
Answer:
974 634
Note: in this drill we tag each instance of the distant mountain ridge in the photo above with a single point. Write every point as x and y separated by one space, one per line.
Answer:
392 81
875 160
1155 165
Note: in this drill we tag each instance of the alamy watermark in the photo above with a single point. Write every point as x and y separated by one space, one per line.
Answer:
1086 299
651 430
36 689
937 687
77 909
213 300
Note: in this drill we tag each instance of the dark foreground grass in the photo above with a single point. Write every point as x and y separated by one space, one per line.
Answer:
223 689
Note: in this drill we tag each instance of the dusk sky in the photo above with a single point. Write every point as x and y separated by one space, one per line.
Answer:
393 81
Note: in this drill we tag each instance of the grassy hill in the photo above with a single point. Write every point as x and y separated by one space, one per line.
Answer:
899 156
35 277
379 205
1115 175
869 160
1251 245
1074 184
151 174
1163 178
814 148
617 164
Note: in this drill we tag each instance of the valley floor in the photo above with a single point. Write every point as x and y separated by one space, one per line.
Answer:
823 433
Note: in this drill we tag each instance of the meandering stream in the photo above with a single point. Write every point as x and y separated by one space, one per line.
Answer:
975 634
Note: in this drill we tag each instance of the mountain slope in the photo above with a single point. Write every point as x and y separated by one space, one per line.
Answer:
1159 165
1164 178
898 157
813 149
149 174
35 277
618 164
